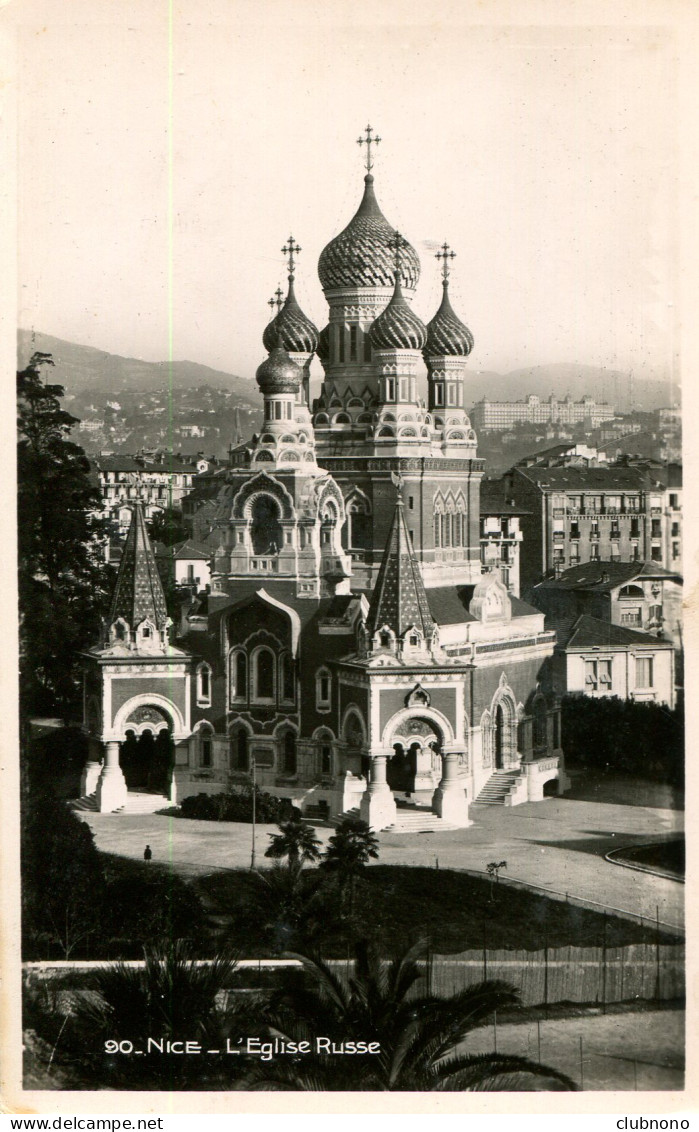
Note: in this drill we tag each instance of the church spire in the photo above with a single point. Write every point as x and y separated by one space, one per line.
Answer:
399 601
138 593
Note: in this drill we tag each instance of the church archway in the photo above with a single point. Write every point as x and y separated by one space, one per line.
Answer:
147 760
265 529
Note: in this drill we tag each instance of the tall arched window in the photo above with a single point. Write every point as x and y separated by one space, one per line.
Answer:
289 753
263 675
206 747
540 719
287 678
265 529
239 676
239 757
356 533
323 689
203 685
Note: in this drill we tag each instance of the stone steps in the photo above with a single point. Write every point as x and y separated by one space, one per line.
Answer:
498 787
138 802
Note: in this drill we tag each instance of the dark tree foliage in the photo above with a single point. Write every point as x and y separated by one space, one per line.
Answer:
64 584
641 739
236 805
167 527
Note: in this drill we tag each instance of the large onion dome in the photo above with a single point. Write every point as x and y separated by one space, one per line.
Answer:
397 327
294 329
323 347
447 334
360 256
279 374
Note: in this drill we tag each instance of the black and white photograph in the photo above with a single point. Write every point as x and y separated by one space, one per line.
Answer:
347 742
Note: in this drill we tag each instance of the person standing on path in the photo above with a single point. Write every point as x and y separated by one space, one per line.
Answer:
147 853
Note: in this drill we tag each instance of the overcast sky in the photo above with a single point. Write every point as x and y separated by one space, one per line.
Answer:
546 157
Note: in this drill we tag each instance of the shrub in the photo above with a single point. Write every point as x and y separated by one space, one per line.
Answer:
642 739
236 805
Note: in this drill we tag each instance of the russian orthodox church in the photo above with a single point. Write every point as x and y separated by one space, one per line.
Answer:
350 652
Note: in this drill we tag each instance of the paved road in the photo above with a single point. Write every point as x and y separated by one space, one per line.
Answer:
558 844
619 1051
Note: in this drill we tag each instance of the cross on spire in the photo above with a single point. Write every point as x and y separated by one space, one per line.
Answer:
291 249
445 254
397 243
276 300
368 141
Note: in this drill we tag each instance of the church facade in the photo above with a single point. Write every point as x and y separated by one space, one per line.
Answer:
350 651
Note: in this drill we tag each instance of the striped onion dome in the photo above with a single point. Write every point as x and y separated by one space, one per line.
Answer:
397 327
447 334
323 347
279 374
360 256
294 329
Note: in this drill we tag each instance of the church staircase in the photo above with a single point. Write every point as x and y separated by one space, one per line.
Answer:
137 802
498 788
410 818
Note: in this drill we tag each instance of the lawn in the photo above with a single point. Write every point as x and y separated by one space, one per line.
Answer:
396 905
666 856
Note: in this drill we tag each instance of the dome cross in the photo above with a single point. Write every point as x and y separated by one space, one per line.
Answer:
397 243
277 300
445 254
368 141
291 249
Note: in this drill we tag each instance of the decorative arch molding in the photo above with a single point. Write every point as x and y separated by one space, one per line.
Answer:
238 723
284 726
329 492
323 734
352 712
146 699
359 499
261 484
203 725
290 613
439 722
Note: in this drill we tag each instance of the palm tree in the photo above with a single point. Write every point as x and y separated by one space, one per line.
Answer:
349 851
173 998
419 1036
291 907
297 842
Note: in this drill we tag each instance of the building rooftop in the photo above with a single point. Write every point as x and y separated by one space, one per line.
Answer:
495 500
589 632
602 577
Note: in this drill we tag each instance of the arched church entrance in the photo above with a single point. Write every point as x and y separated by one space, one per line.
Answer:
147 754
499 737
416 763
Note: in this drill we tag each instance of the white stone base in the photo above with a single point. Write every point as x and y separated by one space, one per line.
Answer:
111 792
452 806
89 778
378 810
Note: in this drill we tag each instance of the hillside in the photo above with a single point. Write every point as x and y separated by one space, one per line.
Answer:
87 372
83 370
620 389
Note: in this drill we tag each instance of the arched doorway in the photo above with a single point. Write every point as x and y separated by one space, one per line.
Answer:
147 760
499 737
415 764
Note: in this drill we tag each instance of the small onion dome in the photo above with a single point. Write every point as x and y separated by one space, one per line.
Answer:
279 374
361 256
446 334
323 347
397 327
295 330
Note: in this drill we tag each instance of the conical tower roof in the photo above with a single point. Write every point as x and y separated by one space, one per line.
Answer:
138 594
291 328
446 333
361 255
397 327
399 599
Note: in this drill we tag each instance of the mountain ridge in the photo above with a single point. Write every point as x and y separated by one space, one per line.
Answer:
87 368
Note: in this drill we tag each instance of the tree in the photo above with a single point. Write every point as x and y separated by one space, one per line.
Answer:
348 853
280 909
167 526
64 584
172 998
493 870
419 1037
297 842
